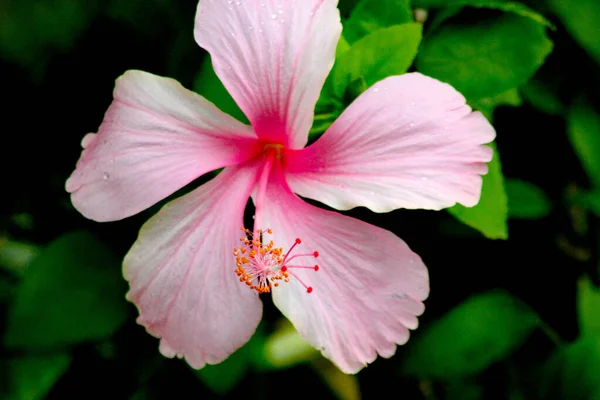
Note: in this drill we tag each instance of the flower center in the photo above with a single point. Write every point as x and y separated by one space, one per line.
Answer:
274 150
261 265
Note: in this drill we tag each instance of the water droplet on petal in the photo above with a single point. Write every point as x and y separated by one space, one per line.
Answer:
106 176
274 16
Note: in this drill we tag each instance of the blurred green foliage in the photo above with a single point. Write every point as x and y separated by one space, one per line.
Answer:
573 371
375 57
482 330
221 378
64 293
584 133
72 292
526 201
31 377
30 31
371 15
588 302
581 20
492 49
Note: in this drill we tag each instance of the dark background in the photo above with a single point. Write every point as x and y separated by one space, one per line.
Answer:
47 110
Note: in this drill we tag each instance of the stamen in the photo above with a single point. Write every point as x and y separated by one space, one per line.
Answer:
316 267
302 255
308 288
261 265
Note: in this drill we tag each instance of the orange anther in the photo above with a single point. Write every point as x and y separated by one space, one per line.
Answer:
260 265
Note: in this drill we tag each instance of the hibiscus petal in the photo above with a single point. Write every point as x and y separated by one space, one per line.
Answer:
367 292
273 57
181 272
409 141
156 137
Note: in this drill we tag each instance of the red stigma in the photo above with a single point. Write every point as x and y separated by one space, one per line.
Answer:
262 266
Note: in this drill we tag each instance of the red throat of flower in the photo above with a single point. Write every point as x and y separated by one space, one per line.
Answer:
261 265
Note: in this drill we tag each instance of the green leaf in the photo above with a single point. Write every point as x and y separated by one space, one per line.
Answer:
342 47
208 84
370 15
583 128
385 52
146 16
453 227
490 215
71 293
367 61
589 200
487 58
484 329
343 386
581 20
464 390
573 371
16 256
31 377
526 201
433 3
588 308
544 96
489 104
7 290
346 6
440 17
506 6
31 31
224 377
285 348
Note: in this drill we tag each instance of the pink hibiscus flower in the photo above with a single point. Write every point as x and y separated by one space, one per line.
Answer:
408 142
